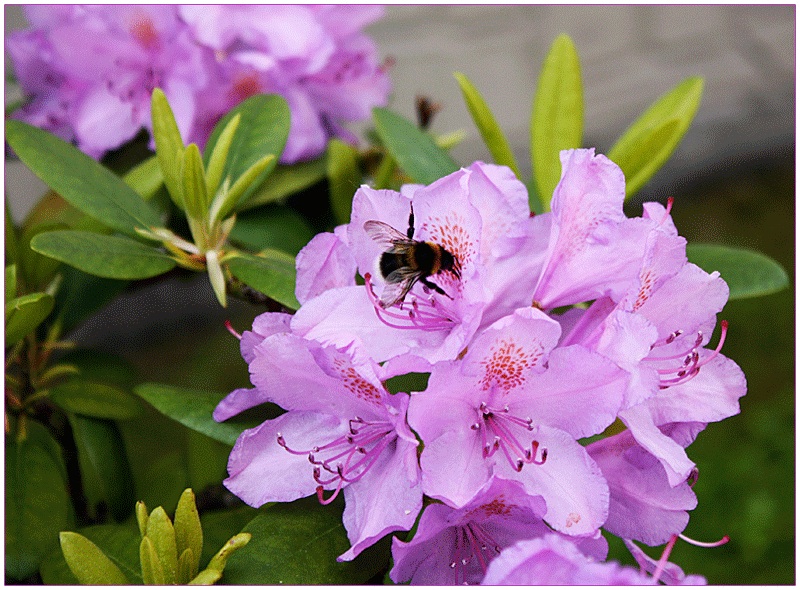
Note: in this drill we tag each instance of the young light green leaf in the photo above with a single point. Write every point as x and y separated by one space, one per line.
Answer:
112 257
97 400
216 276
83 182
37 506
415 150
104 468
141 517
146 178
193 408
206 578
235 543
11 237
195 195
225 202
169 146
152 570
285 181
273 226
748 273
187 567
557 117
162 534
188 532
271 272
219 155
24 314
490 131
11 282
679 104
344 177
88 562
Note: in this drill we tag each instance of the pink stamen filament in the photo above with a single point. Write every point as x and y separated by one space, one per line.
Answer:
230 329
691 358
365 440
719 543
471 541
422 316
497 433
662 562
670 201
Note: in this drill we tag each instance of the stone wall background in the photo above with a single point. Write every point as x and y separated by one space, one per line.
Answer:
630 55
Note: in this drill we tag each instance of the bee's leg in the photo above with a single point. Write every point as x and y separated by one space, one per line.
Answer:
434 286
410 231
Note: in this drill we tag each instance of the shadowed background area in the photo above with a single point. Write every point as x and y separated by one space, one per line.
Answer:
732 177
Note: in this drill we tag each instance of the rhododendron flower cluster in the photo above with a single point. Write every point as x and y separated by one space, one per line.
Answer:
546 330
90 70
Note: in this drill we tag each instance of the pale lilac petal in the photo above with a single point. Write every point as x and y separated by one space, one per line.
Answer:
237 401
104 121
264 325
324 263
672 575
341 21
307 138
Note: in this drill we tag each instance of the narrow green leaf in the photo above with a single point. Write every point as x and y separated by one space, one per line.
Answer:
145 178
162 534
271 272
141 517
206 578
120 543
112 257
37 506
188 532
105 471
272 226
187 567
679 104
490 131
221 525
748 273
88 562
249 179
97 400
263 130
297 543
192 408
11 282
11 250
152 570
24 314
101 366
36 270
235 543
216 276
557 117
195 194
79 179
219 155
344 177
285 181
415 150
169 146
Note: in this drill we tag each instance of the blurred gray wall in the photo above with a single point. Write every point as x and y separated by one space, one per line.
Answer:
629 56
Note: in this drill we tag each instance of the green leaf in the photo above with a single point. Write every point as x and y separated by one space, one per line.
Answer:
145 178
152 570
263 130
490 131
11 250
344 177
11 282
97 400
162 535
169 146
415 150
112 257
285 181
272 226
271 272
88 562
195 195
220 560
120 543
36 270
216 276
557 117
748 273
37 505
24 314
219 155
192 408
188 532
297 543
187 567
105 471
221 525
250 178
650 140
83 182
101 366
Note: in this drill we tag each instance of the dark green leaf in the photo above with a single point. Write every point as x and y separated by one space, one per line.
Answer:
11 238
24 314
748 273
557 117
11 282
262 130
98 400
192 408
105 472
285 181
112 257
679 104
487 125
88 562
36 270
101 366
272 226
221 525
37 506
146 178
119 542
298 543
415 150
87 185
344 177
271 272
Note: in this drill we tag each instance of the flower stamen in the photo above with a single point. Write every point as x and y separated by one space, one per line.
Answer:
424 314
497 428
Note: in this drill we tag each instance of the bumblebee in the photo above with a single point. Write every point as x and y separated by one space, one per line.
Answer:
407 261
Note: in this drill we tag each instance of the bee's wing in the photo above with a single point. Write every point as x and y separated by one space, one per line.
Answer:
385 234
398 284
